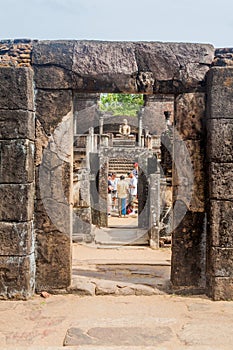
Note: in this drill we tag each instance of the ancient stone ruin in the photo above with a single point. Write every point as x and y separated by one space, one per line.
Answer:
53 138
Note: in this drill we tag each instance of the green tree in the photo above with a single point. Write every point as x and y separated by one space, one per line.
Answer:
121 104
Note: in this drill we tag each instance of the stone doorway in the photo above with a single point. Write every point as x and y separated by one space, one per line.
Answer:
44 87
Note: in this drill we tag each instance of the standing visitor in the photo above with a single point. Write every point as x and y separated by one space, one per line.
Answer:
132 191
135 170
122 192
114 182
109 194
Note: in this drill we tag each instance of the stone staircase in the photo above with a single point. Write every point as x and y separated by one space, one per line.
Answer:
124 142
120 166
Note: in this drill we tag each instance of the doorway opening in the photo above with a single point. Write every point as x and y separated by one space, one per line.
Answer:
116 147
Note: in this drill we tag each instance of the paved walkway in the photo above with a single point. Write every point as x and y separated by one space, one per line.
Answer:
158 322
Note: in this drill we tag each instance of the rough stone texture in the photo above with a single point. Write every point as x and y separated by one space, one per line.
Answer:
51 215
17 124
220 181
190 115
51 107
223 57
16 202
16 238
103 191
81 286
53 261
52 77
85 112
17 161
187 254
118 336
183 65
92 66
221 288
220 93
16 88
222 259
154 188
17 277
15 53
188 174
221 223
105 287
98 64
153 118
220 186
58 53
219 139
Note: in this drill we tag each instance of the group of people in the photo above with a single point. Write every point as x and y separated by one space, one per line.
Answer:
124 192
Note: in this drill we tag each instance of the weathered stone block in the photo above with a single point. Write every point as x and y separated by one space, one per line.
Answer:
221 288
53 262
16 238
82 221
17 161
221 223
16 88
17 202
190 114
220 181
219 140
184 64
220 93
188 175
17 277
188 247
98 64
57 52
52 77
51 215
51 107
17 125
222 262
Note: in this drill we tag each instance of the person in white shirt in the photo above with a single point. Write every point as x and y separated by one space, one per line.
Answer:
114 181
132 191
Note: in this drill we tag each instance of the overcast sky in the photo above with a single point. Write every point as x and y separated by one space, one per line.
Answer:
204 21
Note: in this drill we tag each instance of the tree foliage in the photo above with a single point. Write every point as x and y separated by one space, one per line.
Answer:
121 104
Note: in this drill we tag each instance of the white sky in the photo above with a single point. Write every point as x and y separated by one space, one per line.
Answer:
204 21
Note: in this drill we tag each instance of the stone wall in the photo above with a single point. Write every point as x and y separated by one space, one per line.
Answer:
64 68
220 189
189 235
17 136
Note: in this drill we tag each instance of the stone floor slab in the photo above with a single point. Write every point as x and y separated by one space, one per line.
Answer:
119 336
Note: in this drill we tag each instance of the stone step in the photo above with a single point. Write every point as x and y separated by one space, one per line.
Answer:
121 236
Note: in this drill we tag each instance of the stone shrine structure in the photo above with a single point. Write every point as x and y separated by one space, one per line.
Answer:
43 86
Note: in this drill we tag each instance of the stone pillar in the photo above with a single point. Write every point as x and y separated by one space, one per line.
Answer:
153 114
103 191
143 195
17 135
86 111
220 181
54 189
154 188
101 125
140 130
189 232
